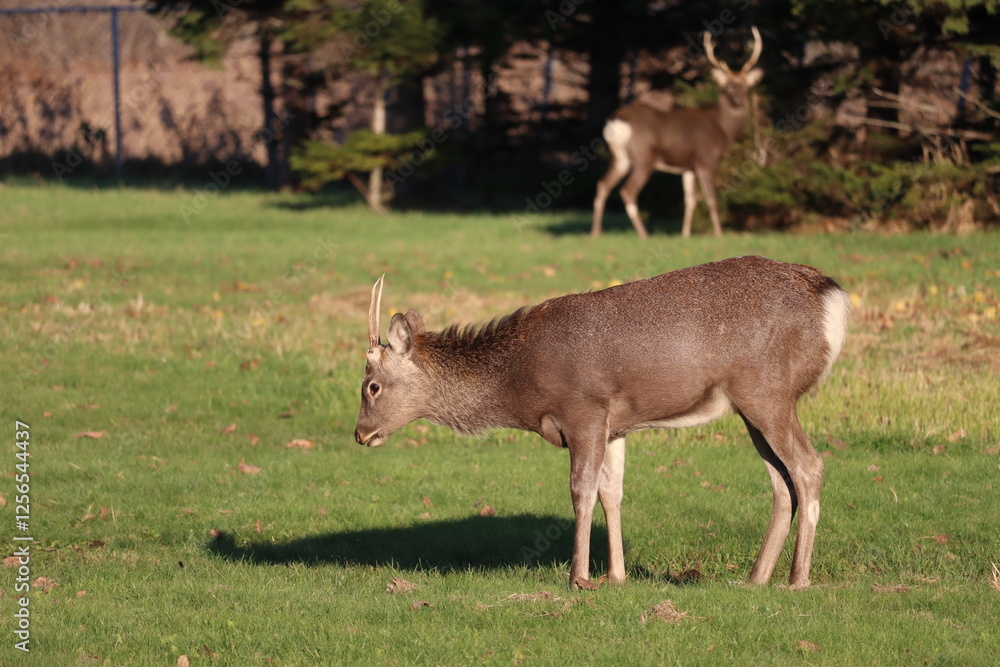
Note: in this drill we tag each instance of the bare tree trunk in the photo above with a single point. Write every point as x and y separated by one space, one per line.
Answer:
378 127
272 172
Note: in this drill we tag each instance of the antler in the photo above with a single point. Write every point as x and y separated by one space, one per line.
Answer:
758 46
373 312
710 52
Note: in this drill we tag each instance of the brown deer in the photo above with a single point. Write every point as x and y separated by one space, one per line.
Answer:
747 335
690 142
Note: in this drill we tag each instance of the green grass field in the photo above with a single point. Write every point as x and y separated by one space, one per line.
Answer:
198 350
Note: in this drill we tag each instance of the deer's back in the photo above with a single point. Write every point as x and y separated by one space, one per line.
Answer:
708 322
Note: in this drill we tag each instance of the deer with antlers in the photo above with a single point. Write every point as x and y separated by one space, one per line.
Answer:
747 335
690 142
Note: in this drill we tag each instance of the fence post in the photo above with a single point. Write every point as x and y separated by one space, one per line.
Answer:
117 88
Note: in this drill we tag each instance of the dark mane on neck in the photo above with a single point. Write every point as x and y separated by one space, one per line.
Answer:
471 342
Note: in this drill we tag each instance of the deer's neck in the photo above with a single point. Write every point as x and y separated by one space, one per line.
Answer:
469 372
732 118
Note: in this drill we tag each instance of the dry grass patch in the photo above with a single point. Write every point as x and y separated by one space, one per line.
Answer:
665 611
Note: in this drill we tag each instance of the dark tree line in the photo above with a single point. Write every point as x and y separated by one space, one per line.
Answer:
304 44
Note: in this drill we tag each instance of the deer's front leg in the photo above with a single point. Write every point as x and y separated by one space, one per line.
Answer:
610 493
586 455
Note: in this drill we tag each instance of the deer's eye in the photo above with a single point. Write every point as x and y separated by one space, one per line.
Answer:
374 389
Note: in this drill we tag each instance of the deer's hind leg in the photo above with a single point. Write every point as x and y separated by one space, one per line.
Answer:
783 506
620 166
796 472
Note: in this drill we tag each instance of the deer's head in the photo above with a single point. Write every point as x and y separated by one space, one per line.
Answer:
395 387
736 85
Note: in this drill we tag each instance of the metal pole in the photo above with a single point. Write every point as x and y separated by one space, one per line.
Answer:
117 87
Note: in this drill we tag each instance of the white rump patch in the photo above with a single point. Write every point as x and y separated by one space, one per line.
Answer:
617 133
836 312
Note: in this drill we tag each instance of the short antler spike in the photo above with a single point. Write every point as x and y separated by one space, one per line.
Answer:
373 312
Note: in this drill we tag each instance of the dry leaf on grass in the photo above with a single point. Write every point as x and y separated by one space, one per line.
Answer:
421 603
427 502
807 647
103 514
44 583
258 527
3 501
665 611
957 435
182 661
93 435
299 443
247 469
229 429
398 585
688 576
939 449
250 365
12 561
487 511
995 578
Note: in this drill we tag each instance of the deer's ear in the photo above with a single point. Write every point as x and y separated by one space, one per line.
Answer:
720 77
415 321
754 76
400 334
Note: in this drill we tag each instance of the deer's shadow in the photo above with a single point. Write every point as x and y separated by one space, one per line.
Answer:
472 543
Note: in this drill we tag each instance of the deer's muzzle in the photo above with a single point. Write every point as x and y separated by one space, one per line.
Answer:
372 439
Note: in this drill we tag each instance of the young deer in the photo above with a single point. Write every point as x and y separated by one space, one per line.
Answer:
747 335
690 142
